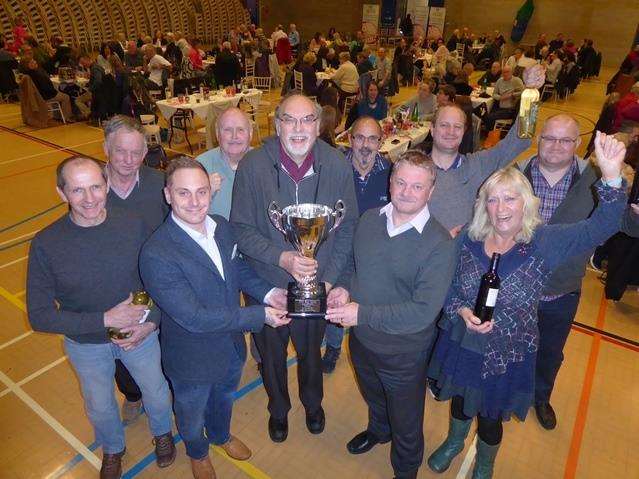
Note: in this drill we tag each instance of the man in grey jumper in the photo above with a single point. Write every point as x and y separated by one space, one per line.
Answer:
507 93
403 262
293 168
460 176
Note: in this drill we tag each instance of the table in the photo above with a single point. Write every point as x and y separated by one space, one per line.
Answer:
477 48
208 63
324 76
394 145
216 102
427 58
80 81
476 100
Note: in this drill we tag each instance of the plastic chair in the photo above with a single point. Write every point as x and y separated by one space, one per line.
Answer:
151 129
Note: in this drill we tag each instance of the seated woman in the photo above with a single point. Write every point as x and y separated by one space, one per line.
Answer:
461 84
309 78
328 123
488 369
373 105
346 78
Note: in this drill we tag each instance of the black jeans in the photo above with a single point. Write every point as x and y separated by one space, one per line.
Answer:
489 430
126 383
272 344
554 319
394 388
623 265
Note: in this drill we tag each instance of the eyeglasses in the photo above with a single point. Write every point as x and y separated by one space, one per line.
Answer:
370 139
291 122
561 141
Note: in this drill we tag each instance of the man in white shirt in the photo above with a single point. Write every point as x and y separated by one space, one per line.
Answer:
192 270
155 64
346 78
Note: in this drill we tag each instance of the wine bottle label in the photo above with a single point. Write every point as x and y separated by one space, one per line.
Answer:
491 297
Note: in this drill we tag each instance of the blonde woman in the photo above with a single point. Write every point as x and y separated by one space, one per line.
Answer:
488 369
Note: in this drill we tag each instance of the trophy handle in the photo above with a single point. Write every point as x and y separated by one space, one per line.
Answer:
275 215
338 214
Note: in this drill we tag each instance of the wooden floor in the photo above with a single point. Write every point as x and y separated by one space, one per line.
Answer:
44 432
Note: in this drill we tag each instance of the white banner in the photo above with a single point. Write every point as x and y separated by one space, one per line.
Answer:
418 10
370 22
436 22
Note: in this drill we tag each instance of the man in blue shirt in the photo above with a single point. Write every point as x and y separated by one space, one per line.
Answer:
370 174
234 134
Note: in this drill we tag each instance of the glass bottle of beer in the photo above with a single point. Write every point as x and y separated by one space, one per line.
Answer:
528 109
488 291
415 116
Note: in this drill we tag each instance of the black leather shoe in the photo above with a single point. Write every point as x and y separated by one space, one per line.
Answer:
364 442
278 429
546 416
315 422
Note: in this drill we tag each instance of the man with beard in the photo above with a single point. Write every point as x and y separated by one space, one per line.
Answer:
292 168
370 174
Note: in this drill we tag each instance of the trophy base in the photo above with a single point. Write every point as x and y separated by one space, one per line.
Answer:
302 304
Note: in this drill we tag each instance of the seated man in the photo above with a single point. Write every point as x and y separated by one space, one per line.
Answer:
133 58
46 89
491 76
155 65
384 69
363 63
82 271
227 66
425 102
507 92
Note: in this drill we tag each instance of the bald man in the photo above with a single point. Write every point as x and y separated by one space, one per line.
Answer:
234 135
290 168
564 184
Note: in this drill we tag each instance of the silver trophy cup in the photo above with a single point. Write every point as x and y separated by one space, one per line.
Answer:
306 226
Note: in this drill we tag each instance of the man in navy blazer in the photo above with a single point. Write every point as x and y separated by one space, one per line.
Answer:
191 268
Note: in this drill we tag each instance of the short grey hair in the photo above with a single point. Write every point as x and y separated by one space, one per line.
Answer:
122 122
280 107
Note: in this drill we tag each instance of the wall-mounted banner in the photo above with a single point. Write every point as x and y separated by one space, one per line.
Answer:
418 10
370 22
436 22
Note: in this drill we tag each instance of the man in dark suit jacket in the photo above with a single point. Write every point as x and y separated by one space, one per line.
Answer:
191 268
227 67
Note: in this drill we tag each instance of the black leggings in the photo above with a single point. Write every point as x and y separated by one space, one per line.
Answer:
489 430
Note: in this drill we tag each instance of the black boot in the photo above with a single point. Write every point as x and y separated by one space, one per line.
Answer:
331 355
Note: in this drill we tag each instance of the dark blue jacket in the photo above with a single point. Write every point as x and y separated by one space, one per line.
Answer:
203 323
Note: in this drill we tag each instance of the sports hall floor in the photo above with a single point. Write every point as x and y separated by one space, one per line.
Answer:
45 434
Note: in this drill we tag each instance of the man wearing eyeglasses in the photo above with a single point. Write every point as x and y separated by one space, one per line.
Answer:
293 167
563 182
370 175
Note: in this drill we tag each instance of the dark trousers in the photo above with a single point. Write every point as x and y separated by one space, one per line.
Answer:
554 320
497 114
272 344
394 388
206 407
623 265
126 383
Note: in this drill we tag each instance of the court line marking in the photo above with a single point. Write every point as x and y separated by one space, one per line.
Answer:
20 293
32 217
16 339
468 459
32 233
572 461
51 421
11 263
53 150
13 300
35 374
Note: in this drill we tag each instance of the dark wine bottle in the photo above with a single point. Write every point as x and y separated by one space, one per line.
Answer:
488 290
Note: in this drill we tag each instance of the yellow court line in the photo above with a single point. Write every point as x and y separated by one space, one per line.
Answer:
10 263
51 421
20 293
247 467
12 299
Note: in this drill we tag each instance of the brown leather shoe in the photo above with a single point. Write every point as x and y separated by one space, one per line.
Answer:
112 465
202 468
131 411
164 449
236 449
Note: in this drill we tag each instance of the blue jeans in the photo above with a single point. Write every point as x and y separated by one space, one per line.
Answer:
554 321
95 366
200 406
334 335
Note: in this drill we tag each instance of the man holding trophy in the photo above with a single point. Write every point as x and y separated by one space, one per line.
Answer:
313 184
